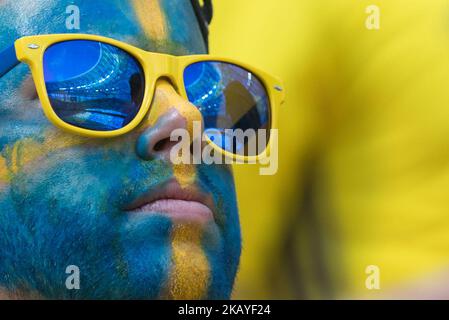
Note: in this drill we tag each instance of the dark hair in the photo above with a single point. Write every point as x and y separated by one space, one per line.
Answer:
204 15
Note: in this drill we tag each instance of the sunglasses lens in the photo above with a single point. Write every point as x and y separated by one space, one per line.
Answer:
229 98
93 85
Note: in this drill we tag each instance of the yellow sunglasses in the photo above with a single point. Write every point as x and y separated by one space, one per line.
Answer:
100 87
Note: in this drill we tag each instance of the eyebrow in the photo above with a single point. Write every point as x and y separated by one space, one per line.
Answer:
8 60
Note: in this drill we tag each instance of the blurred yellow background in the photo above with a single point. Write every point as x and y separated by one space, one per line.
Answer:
364 145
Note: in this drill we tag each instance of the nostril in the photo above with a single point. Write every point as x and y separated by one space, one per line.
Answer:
164 145
161 145
156 141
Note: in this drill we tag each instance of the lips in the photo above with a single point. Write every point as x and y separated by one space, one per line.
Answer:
184 205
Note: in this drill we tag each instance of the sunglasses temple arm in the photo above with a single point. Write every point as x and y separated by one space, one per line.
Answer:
8 60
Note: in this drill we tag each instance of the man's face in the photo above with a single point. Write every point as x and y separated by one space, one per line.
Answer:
65 199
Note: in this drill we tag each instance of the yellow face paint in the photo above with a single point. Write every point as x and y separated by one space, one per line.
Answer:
26 151
165 99
190 273
151 18
4 176
185 174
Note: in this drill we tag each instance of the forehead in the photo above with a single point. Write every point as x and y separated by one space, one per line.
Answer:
167 26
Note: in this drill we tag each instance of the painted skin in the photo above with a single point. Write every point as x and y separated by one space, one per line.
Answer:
63 197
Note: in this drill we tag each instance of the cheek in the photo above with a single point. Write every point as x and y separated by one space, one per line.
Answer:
21 114
103 173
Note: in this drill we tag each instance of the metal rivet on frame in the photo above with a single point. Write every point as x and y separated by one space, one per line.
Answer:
278 88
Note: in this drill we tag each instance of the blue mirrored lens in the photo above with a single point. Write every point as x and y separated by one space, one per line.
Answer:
93 85
228 97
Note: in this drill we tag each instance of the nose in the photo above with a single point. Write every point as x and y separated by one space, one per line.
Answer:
168 111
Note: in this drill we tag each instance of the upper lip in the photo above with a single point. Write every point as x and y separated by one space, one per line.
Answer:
172 191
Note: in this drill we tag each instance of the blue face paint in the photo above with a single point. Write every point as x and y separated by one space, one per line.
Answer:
62 197
223 251
179 18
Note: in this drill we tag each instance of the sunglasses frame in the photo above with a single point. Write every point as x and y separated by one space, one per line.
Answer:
31 49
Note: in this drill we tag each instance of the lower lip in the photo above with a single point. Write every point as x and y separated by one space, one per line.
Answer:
177 210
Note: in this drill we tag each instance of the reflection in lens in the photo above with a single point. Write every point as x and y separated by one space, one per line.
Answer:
93 85
229 98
